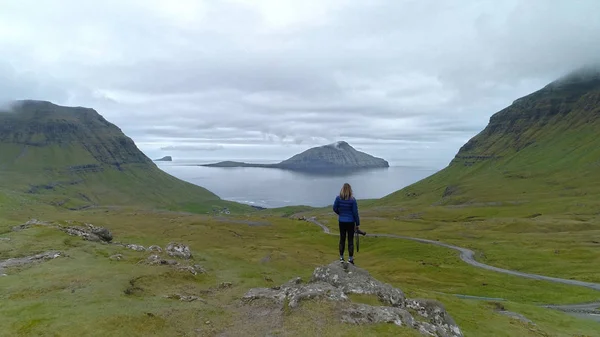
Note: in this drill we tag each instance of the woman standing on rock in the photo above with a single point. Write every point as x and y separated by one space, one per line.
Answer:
346 208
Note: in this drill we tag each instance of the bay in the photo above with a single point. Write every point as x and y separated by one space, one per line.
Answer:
269 188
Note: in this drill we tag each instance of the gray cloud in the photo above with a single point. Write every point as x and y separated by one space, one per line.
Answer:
192 148
408 80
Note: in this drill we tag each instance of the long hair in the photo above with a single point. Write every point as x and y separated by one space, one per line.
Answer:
346 192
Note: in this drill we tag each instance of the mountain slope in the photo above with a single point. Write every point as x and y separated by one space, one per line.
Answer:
543 146
73 157
339 155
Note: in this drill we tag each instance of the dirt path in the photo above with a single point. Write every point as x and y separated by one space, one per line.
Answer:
468 256
586 310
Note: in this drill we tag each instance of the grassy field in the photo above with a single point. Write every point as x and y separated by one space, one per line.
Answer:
522 194
86 293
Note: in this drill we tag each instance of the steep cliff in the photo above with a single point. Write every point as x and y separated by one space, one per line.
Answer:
73 157
543 146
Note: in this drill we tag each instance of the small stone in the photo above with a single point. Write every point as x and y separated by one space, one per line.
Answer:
155 248
4 239
136 247
184 298
225 285
116 257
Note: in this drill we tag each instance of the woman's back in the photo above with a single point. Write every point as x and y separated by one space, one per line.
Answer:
345 209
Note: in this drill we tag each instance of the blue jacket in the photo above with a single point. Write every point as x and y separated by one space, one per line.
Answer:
347 210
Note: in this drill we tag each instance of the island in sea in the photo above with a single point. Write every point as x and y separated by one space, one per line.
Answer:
165 158
336 156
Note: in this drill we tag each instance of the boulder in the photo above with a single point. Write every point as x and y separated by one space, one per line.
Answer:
103 233
81 232
89 233
178 250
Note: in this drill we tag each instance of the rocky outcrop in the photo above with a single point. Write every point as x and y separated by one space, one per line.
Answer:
358 281
368 314
165 158
178 250
15 262
88 231
336 281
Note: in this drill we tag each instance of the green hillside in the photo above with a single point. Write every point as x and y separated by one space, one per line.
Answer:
74 158
543 147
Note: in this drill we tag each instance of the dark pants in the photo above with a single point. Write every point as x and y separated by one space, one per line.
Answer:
347 230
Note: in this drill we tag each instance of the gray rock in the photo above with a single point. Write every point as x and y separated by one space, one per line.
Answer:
156 259
135 247
89 233
4 239
81 232
116 257
29 259
436 315
178 250
32 222
184 298
297 292
225 285
194 270
103 233
367 314
353 280
155 248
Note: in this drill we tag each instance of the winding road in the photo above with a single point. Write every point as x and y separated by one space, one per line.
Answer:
588 310
468 256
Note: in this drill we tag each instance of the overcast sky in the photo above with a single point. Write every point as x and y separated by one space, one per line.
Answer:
410 81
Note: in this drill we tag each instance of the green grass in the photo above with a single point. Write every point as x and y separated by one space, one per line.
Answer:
529 203
85 292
